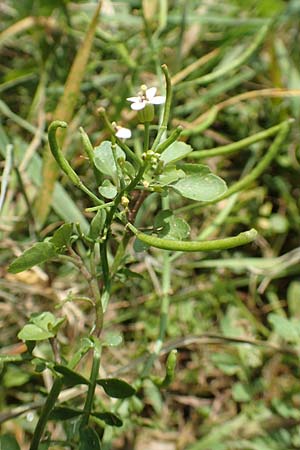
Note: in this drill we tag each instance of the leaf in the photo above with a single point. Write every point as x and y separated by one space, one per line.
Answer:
97 224
109 418
116 388
202 187
287 329
64 413
104 158
39 253
61 238
172 227
89 439
175 152
42 326
169 175
14 376
8 442
112 339
71 378
108 190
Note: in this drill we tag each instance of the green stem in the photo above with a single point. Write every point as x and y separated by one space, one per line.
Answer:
172 138
87 145
235 146
92 387
167 108
63 163
164 307
46 410
96 295
132 156
146 136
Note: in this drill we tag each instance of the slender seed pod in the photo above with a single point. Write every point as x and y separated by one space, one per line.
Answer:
195 246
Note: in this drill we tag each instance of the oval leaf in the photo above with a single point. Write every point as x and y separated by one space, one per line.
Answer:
70 377
201 187
109 418
175 152
104 158
89 439
116 388
64 413
108 190
61 238
170 226
39 253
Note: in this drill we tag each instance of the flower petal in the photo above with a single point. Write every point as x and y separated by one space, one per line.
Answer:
138 105
123 133
150 93
134 99
158 100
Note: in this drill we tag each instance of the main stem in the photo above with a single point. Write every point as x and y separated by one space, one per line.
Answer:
92 387
46 410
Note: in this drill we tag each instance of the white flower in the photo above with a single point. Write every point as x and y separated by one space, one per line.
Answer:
122 133
146 96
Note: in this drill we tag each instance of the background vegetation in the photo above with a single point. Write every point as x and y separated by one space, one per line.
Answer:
234 317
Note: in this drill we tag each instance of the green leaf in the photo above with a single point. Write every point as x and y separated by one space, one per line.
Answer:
14 376
116 388
175 152
169 175
39 253
42 326
64 413
61 238
287 329
170 226
104 159
241 393
112 339
203 187
71 378
97 224
8 442
108 190
89 439
109 418
193 169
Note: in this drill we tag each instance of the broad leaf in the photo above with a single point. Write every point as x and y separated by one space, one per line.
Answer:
170 226
61 238
89 439
116 388
175 152
42 326
104 158
109 418
39 253
202 187
108 190
71 378
64 413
